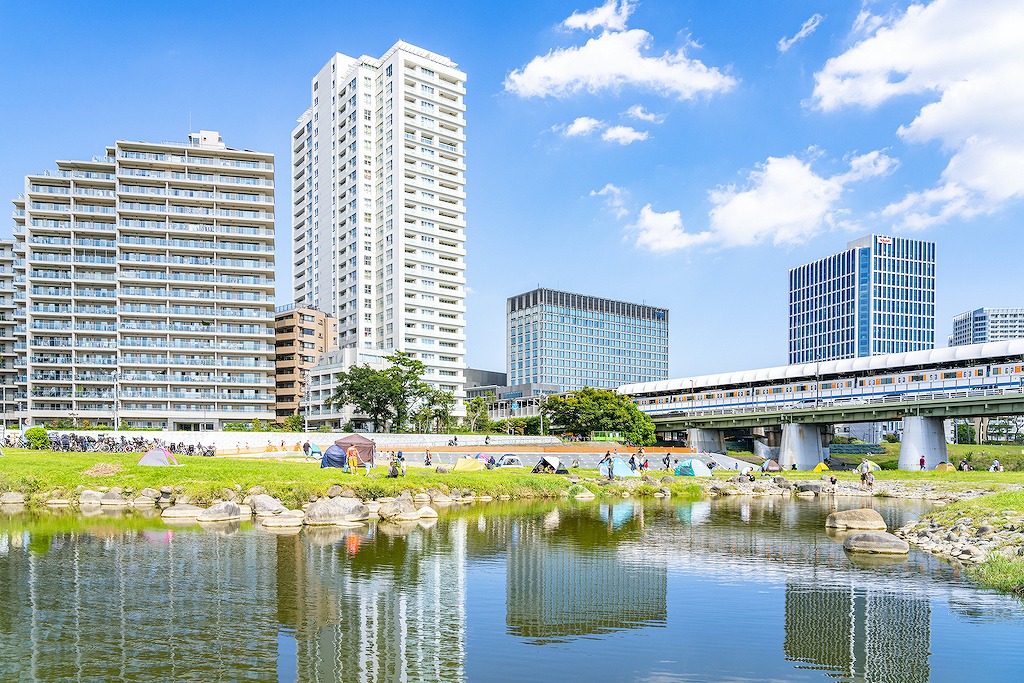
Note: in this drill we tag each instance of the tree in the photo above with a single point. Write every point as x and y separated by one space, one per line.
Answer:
37 438
441 403
370 391
294 423
476 412
406 387
591 410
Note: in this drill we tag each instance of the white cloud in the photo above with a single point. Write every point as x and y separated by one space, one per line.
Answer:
584 125
638 112
614 199
966 55
663 232
612 15
624 135
611 61
806 29
783 202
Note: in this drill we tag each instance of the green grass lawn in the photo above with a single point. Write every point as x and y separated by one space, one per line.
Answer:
46 474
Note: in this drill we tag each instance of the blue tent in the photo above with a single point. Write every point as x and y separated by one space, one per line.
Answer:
692 468
619 469
335 457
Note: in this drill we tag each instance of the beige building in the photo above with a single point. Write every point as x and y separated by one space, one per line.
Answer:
301 336
146 276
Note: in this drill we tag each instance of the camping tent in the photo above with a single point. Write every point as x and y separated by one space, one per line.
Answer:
334 456
158 457
692 468
619 469
469 464
945 467
770 466
550 462
820 467
875 467
367 448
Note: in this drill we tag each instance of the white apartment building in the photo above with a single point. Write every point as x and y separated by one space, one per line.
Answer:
322 381
378 206
9 361
987 324
147 281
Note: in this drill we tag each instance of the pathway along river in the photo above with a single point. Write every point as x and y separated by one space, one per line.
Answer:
738 590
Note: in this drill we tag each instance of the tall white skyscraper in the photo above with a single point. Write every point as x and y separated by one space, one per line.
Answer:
987 324
378 206
876 297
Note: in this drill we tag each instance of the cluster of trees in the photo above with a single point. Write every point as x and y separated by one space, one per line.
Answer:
292 423
395 398
595 410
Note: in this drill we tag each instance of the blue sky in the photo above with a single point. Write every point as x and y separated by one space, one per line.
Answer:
686 154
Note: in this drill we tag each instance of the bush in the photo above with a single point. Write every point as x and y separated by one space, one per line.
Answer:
37 438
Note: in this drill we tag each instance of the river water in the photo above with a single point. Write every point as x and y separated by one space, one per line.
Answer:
658 592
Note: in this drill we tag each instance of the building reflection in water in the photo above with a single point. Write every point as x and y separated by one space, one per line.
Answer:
572 581
384 606
110 604
859 634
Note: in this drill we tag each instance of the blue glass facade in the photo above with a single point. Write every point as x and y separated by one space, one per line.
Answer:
876 297
576 341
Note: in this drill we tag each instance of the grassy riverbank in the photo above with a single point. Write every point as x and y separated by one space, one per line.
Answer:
41 475
999 510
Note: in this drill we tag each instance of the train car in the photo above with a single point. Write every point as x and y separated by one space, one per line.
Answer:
952 372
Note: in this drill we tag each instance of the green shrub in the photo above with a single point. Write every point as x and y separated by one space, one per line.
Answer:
37 438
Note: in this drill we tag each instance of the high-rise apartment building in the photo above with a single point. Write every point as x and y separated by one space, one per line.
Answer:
576 341
146 276
987 324
876 297
301 336
9 361
378 206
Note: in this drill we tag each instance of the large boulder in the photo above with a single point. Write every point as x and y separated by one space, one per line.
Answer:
808 486
12 498
858 519
88 497
266 506
334 491
875 542
220 512
335 511
400 509
286 520
113 498
150 492
181 511
143 502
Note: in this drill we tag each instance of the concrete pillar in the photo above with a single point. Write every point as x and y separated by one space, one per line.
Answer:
706 440
922 436
801 444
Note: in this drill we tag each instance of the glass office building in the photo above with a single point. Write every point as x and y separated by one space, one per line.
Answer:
987 324
876 297
576 341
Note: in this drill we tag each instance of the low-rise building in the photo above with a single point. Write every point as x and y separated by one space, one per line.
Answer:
323 381
301 336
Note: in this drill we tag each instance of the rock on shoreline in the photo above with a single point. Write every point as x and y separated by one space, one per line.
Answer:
968 540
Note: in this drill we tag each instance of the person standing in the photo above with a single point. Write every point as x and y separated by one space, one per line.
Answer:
864 469
922 463
352 454
305 449
401 461
426 457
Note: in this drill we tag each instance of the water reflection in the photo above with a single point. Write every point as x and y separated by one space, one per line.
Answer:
630 590
562 581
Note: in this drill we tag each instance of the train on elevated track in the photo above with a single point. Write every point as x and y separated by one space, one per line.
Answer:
953 372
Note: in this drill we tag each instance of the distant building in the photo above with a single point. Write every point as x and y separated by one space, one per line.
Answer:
479 378
301 335
575 341
323 380
520 400
876 297
987 324
146 280
10 395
